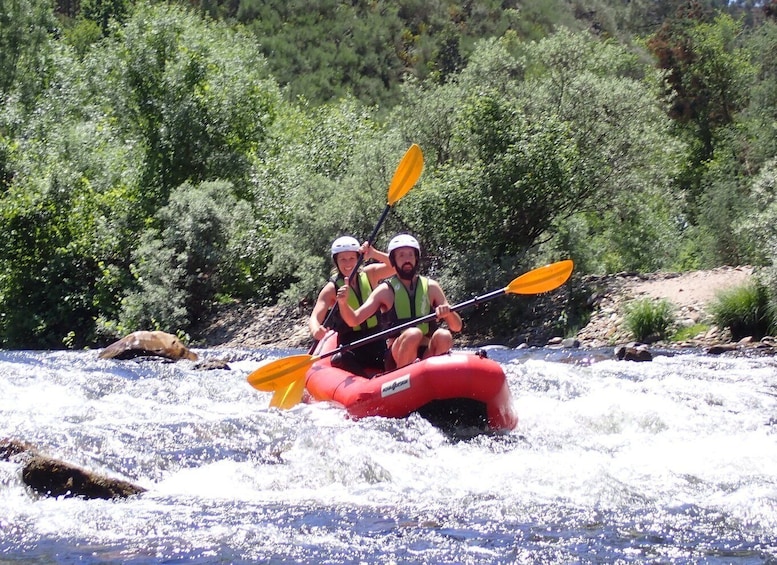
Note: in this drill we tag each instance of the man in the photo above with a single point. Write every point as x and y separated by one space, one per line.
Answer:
406 296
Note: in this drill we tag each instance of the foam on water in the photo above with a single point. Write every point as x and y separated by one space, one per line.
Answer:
669 460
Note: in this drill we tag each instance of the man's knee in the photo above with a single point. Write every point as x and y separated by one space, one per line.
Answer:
441 342
411 337
413 334
405 348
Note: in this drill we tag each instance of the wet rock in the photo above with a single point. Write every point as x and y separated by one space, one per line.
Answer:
11 448
211 365
144 344
52 477
633 352
722 348
745 347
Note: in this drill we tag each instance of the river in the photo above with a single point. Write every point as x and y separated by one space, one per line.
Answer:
672 461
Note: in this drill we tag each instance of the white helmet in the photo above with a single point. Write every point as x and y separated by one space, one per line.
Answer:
403 240
345 243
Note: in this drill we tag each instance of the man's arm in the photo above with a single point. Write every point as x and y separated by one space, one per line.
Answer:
441 307
376 272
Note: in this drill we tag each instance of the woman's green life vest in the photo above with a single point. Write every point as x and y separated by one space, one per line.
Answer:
355 300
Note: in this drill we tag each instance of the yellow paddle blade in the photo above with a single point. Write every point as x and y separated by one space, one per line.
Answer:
407 174
287 397
542 279
280 373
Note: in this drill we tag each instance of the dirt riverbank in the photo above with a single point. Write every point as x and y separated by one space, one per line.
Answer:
691 293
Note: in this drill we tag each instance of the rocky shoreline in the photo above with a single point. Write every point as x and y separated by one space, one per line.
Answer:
253 326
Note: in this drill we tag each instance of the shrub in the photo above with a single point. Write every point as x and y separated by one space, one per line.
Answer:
648 320
744 310
182 263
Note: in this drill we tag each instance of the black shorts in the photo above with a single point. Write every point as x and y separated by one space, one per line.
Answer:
360 359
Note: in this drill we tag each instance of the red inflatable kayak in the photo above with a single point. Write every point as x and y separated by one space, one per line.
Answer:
455 391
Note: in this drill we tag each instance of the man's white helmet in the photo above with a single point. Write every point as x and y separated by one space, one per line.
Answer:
345 243
403 240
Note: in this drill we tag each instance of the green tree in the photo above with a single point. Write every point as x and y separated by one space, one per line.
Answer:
337 166
326 49
709 74
25 47
25 68
756 142
761 226
96 159
105 12
66 215
537 134
196 95
180 265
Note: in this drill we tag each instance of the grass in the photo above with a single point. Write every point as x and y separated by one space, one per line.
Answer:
690 332
649 320
744 310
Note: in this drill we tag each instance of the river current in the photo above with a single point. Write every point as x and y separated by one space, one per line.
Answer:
671 461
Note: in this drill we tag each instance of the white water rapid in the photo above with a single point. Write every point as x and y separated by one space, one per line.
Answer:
671 461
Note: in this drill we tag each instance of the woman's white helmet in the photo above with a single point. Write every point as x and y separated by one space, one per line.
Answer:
345 243
403 240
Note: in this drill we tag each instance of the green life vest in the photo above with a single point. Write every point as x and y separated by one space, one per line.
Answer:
407 308
355 300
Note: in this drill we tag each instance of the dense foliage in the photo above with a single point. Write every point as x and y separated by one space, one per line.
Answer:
157 159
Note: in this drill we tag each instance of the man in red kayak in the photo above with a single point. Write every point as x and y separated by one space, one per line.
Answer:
406 296
345 255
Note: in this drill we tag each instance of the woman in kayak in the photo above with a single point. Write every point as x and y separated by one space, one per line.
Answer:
345 256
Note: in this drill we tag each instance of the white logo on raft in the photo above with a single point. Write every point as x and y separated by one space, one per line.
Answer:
395 386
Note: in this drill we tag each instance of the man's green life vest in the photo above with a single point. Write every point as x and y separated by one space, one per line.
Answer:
407 309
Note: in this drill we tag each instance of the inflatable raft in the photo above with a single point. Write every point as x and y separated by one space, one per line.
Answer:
457 391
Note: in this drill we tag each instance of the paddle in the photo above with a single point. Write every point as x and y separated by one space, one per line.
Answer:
407 174
285 375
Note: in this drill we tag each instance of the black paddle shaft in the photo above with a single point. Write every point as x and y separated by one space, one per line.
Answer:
389 332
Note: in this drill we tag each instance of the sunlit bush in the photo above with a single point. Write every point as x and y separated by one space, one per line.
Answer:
744 310
649 320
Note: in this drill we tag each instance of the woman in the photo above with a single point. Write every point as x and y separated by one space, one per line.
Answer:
345 256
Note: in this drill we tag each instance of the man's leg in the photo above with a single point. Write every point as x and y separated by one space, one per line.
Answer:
405 347
441 343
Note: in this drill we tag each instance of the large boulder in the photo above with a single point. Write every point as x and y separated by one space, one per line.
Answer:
52 477
145 343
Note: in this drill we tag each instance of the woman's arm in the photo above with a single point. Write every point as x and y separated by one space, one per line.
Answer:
326 299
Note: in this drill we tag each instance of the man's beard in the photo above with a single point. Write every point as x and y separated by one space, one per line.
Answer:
407 274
